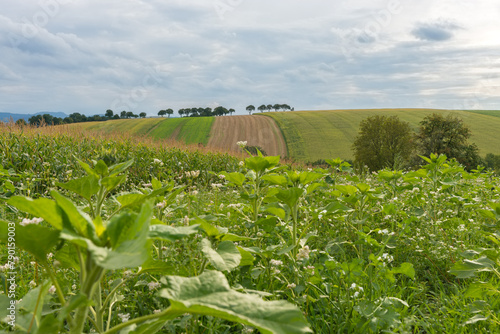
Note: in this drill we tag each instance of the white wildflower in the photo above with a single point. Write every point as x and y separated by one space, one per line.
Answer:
242 144
276 262
153 285
27 221
52 289
241 163
303 253
161 205
291 286
32 284
158 162
124 316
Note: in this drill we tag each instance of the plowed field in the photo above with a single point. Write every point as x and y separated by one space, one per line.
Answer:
256 130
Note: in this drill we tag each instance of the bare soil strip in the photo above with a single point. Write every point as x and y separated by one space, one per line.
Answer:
256 130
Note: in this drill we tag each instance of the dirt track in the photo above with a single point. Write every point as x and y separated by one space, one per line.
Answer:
256 130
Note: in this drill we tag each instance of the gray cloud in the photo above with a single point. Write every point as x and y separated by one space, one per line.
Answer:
435 31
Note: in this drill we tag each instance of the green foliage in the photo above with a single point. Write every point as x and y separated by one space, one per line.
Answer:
124 248
383 142
447 135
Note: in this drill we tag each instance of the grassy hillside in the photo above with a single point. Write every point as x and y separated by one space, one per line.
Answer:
187 130
313 135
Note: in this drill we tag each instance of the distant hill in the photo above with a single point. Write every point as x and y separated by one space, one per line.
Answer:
308 135
7 116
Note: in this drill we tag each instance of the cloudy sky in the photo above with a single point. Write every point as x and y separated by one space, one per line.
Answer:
142 56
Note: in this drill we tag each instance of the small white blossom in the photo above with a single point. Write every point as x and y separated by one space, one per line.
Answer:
52 289
242 144
291 286
153 285
276 262
158 162
241 163
303 253
161 205
32 284
27 221
124 316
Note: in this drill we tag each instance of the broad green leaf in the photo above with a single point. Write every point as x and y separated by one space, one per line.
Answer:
209 294
87 168
363 187
480 289
156 184
101 168
468 268
121 167
260 164
111 182
290 196
247 259
158 267
79 220
337 207
313 187
405 269
30 307
35 239
68 257
236 178
209 229
172 233
225 258
86 186
128 233
346 189
267 224
42 207
278 212
275 179
308 177
130 199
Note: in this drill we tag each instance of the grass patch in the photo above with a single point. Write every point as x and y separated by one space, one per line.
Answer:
196 130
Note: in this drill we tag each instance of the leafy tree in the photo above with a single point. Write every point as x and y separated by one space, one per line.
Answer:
231 111
269 107
109 113
143 114
162 113
262 107
21 122
447 135
277 107
383 142
129 114
123 114
250 109
169 112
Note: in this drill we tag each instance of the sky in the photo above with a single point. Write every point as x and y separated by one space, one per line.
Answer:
88 56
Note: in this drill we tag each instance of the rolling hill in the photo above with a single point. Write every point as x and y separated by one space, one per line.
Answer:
299 135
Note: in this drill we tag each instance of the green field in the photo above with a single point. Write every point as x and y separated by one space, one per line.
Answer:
187 130
313 135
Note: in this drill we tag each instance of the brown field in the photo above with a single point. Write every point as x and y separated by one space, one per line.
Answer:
257 131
